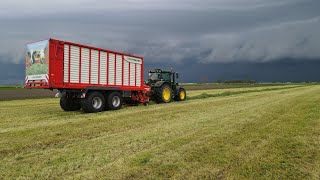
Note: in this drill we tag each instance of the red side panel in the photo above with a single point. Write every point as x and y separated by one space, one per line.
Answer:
87 65
56 64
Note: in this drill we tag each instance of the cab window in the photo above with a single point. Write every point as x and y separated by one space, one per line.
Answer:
166 77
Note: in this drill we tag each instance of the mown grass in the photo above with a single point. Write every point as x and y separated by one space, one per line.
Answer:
243 84
201 94
271 134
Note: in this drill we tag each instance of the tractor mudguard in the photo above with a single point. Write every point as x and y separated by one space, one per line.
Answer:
177 90
159 84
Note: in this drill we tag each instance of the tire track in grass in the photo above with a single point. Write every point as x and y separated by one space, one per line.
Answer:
228 93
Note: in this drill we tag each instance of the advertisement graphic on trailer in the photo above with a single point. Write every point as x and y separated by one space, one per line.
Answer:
37 60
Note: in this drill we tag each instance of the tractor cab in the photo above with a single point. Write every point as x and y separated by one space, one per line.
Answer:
161 75
165 86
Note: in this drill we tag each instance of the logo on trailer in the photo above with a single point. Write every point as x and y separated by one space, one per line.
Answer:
133 59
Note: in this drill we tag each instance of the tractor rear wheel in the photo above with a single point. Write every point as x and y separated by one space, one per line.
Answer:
94 102
163 94
69 104
182 95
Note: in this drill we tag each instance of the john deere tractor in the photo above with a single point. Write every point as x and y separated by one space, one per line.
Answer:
165 87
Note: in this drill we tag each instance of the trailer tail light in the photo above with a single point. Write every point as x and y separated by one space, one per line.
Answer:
37 84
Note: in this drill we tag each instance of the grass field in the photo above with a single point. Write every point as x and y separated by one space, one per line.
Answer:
19 92
258 134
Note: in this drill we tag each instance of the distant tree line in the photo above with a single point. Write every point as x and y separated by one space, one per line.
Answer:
237 81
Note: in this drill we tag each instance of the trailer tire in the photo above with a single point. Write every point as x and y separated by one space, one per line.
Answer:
114 101
94 102
69 104
163 94
181 95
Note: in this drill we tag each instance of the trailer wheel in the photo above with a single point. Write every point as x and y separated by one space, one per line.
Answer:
114 101
94 102
69 104
182 95
163 94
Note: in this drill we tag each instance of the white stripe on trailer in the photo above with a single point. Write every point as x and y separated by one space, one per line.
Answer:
126 73
74 64
111 69
103 68
132 74
85 65
66 63
119 69
94 66
138 75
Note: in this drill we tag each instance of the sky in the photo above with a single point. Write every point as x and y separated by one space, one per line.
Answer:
207 39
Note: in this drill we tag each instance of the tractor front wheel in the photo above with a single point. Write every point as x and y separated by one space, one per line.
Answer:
163 94
182 95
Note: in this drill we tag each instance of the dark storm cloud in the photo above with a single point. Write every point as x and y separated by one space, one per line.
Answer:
177 31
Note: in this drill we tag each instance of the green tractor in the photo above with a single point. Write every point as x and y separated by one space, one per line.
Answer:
165 87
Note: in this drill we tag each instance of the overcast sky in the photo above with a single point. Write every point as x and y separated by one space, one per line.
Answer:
204 31
176 33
